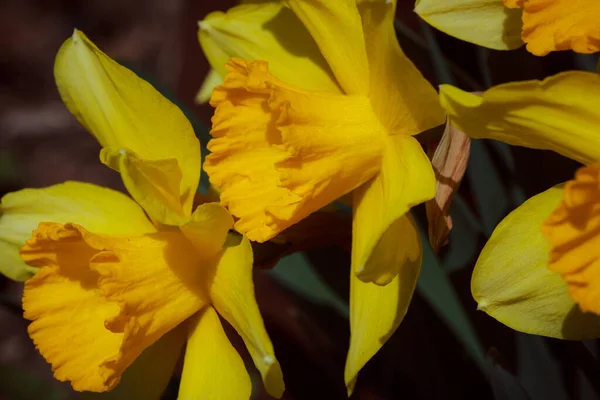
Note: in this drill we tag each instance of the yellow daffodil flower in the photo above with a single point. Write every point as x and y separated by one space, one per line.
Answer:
545 25
319 101
113 276
517 278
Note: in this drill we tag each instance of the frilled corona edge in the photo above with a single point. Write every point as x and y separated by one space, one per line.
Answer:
573 229
279 153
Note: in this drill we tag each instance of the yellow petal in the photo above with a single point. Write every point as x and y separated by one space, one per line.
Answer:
101 210
550 25
512 283
380 206
232 293
212 370
149 375
486 23
132 290
207 229
402 98
549 115
212 80
328 21
573 229
125 112
153 184
375 313
280 153
271 32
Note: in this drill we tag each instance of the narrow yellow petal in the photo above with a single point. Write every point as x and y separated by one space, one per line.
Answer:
549 115
102 210
380 207
279 153
141 286
212 370
207 228
375 314
328 21
512 282
125 112
573 229
401 97
212 80
486 23
232 293
550 25
267 31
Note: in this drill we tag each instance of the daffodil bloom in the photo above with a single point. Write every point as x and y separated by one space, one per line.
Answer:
545 25
518 278
117 277
319 101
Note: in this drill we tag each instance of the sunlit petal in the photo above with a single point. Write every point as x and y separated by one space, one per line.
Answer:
212 369
550 115
512 282
232 294
101 210
125 112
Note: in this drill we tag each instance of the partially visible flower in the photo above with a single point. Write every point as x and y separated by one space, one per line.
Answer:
113 277
573 229
512 280
545 25
305 117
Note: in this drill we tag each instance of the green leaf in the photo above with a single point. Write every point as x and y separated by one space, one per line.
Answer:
436 288
298 274
490 196
504 384
538 370
463 246
21 385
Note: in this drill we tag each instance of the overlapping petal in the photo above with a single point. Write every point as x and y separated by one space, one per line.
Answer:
375 314
118 293
81 203
212 368
267 31
383 238
327 22
403 100
279 153
512 282
232 293
154 184
550 115
207 229
487 23
125 112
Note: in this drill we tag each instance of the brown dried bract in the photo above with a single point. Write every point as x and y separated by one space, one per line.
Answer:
449 163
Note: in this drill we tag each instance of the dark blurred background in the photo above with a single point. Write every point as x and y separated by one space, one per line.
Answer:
442 349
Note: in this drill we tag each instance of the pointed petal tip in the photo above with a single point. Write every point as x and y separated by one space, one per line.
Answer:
482 305
204 25
77 35
268 359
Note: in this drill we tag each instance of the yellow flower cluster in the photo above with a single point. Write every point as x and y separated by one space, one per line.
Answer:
115 283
